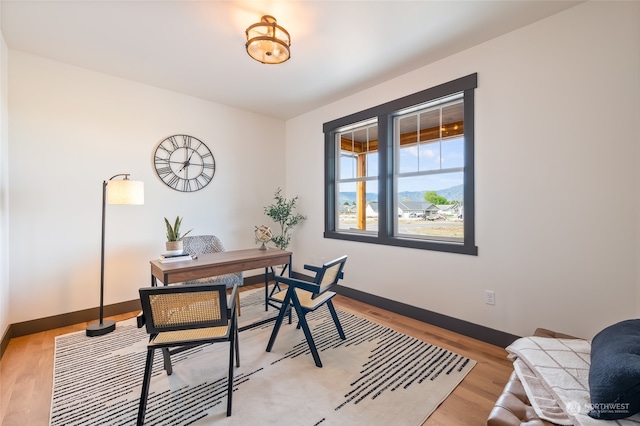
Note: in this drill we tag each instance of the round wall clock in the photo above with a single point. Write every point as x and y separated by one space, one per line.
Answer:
184 163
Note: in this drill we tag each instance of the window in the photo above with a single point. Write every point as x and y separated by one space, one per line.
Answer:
402 174
357 171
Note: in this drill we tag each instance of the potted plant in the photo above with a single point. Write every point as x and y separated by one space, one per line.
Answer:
283 213
174 237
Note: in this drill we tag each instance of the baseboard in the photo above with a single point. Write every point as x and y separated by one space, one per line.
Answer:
56 321
86 315
485 334
5 341
469 329
479 332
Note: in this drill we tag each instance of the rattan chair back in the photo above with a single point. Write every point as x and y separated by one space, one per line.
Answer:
180 317
184 307
330 273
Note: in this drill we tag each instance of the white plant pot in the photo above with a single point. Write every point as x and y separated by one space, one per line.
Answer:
174 247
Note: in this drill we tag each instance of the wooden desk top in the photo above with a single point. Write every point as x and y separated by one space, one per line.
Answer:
212 264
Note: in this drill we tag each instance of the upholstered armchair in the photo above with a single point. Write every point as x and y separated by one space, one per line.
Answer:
202 244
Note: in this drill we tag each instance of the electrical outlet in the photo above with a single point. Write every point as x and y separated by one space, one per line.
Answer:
489 297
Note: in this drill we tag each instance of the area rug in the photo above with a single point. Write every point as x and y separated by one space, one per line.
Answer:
376 376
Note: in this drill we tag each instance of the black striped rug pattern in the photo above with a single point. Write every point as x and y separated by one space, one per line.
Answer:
97 380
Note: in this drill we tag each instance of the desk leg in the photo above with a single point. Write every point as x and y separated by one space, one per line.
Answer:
266 288
266 281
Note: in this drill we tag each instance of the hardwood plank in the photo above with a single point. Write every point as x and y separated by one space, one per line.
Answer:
26 369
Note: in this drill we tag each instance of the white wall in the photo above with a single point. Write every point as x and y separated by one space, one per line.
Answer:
4 208
556 146
555 109
72 128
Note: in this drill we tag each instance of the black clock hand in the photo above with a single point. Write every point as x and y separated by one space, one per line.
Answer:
186 164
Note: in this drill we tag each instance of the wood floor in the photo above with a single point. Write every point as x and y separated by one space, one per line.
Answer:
26 370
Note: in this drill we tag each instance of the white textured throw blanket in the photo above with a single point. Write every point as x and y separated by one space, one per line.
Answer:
555 375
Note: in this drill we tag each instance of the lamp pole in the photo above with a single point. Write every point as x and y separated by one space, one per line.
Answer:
103 326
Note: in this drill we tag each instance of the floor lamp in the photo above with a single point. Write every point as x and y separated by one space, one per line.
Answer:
122 191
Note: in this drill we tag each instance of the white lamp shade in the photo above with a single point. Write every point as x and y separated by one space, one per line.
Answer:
125 192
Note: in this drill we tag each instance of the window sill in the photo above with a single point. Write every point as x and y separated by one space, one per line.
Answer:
447 247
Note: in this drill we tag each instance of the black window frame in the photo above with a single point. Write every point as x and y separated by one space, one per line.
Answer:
385 114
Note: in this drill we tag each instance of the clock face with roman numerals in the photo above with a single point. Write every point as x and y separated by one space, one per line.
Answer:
184 163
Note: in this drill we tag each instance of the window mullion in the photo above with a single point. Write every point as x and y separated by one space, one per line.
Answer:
386 178
431 172
469 179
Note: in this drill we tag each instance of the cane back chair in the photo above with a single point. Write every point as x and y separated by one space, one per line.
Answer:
305 297
181 317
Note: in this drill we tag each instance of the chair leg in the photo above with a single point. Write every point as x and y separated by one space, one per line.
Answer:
145 387
232 346
302 322
166 355
281 314
334 315
237 342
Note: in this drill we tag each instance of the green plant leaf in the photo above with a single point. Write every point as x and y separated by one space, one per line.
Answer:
283 213
173 232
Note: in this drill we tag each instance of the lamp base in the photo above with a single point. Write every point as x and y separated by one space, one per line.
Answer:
100 328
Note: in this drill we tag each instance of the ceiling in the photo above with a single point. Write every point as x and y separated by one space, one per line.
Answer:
197 47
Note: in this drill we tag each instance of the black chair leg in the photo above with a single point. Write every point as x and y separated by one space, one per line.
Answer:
148 367
302 321
232 346
334 315
236 341
276 327
166 355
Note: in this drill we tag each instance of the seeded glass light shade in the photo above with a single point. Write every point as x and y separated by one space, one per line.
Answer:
268 42
125 192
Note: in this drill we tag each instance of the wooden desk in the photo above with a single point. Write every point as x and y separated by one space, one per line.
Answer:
226 262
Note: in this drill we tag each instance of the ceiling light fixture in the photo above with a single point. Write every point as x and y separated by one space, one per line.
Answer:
268 42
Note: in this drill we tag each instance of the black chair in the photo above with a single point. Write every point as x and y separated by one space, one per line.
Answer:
181 317
305 296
